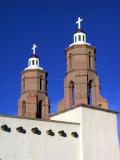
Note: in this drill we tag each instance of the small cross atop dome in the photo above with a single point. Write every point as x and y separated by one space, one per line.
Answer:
79 22
34 47
34 61
79 37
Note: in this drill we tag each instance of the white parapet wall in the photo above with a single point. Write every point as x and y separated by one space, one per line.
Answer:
98 130
15 145
100 135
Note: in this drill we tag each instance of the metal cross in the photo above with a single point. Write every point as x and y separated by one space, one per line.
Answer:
33 48
79 22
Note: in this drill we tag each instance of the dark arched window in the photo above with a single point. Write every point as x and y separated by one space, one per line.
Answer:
33 62
72 92
79 37
90 66
40 83
23 108
39 110
89 61
90 92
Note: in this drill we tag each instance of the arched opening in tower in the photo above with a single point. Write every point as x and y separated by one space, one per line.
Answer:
23 108
39 110
40 84
72 93
90 93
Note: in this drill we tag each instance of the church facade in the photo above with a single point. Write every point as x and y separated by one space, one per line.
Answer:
83 128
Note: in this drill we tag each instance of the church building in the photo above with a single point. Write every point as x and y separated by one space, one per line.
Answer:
83 128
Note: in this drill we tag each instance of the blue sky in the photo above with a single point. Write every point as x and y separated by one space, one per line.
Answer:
50 24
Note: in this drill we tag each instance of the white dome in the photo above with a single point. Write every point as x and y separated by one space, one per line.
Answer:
33 63
79 38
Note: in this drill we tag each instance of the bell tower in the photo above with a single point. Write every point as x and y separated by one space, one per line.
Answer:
34 101
81 84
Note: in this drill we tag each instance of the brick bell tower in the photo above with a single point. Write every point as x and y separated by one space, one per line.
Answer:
81 84
33 101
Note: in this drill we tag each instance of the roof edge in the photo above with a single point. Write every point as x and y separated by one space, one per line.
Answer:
36 119
85 106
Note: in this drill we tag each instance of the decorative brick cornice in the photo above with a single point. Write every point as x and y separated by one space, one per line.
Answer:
80 46
34 70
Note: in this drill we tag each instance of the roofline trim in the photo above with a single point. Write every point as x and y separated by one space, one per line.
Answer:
36 119
85 106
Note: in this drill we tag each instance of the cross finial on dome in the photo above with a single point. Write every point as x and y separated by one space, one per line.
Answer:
79 22
34 47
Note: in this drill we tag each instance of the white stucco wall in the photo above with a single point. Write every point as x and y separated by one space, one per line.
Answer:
18 146
98 130
100 135
69 116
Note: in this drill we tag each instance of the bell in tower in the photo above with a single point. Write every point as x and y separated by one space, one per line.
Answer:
34 101
81 84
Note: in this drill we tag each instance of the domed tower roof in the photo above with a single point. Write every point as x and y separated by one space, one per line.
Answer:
79 30
34 56
79 37
34 60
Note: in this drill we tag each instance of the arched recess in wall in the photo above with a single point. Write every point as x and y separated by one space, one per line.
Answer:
40 83
90 60
23 108
23 84
39 109
79 37
72 92
90 92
